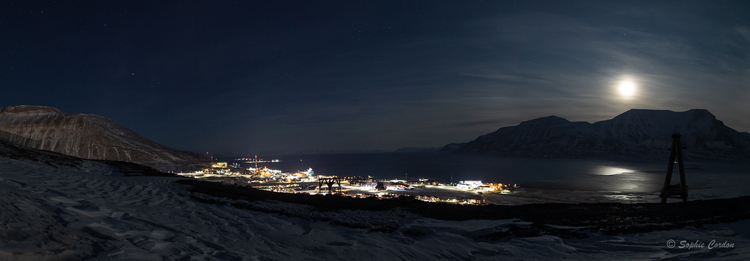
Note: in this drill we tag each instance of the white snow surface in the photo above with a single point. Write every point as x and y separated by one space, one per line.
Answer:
96 213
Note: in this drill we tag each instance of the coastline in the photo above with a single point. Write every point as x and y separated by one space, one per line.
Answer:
580 216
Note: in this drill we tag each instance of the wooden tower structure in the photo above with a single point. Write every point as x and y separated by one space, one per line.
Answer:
329 181
681 189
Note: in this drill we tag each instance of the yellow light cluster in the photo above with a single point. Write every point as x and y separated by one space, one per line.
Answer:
222 165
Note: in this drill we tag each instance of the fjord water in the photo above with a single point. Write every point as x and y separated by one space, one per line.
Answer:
550 173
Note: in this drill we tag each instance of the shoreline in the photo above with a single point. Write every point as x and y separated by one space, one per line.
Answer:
547 218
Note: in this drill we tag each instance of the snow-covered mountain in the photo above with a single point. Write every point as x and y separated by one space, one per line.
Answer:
640 133
86 136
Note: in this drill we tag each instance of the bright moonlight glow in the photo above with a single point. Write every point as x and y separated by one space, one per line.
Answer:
626 89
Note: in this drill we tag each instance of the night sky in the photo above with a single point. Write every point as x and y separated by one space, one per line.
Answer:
288 76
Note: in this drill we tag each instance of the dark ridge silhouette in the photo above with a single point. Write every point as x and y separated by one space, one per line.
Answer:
636 133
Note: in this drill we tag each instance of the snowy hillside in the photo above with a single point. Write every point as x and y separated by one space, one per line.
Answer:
85 136
56 207
641 133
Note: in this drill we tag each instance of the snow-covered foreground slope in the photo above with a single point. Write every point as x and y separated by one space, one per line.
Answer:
93 212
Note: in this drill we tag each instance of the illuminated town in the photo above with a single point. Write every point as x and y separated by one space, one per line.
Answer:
306 182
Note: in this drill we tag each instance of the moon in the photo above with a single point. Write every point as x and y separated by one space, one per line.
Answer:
626 89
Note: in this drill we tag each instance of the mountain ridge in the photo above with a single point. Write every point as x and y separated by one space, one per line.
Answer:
636 132
87 136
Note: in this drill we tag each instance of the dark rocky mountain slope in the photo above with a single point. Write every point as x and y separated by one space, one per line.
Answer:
639 133
87 136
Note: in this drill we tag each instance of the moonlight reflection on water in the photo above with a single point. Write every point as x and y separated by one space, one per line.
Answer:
609 170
